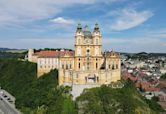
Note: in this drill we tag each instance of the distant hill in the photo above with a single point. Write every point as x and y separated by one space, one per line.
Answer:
10 55
12 50
143 55
4 49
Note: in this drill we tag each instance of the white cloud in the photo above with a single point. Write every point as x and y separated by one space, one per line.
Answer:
164 44
62 21
128 18
20 11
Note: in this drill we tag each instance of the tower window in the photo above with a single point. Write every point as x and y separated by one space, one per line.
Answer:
113 67
79 65
88 52
96 65
66 66
96 41
88 66
78 41
116 66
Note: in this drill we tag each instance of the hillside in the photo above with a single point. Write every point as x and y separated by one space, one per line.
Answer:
10 55
35 96
106 100
12 50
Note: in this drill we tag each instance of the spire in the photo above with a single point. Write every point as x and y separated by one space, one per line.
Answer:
96 28
79 27
96 25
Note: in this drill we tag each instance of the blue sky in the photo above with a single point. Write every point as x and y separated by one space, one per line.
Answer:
126 25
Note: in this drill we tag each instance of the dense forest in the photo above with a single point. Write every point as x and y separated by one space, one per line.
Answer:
34 96
44 96
10 55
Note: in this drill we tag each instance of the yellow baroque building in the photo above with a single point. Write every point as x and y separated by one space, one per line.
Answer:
86 65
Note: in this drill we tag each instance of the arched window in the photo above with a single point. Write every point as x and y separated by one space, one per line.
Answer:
88 52
79 41
66 66
96 41
116 66
88 66
79 65
113 67
97 79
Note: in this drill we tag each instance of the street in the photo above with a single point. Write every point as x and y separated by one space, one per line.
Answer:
6 109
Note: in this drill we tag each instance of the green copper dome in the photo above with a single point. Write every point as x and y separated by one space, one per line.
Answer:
87 33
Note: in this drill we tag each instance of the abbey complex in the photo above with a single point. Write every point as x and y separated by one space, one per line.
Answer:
86 65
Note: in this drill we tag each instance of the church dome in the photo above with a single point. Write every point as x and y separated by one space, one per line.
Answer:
87 33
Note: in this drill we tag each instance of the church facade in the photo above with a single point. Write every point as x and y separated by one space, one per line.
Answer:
86 65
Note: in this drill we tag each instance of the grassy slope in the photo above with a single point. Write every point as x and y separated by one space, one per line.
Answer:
34 95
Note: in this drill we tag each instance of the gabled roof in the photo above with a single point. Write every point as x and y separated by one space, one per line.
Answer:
54 54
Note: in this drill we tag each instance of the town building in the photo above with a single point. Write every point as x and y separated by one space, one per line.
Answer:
86 65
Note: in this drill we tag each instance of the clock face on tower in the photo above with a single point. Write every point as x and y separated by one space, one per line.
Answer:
88 41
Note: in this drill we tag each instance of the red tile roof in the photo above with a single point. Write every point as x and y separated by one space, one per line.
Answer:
151 89
52 54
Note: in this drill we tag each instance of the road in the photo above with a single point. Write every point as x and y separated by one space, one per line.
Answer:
6 109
